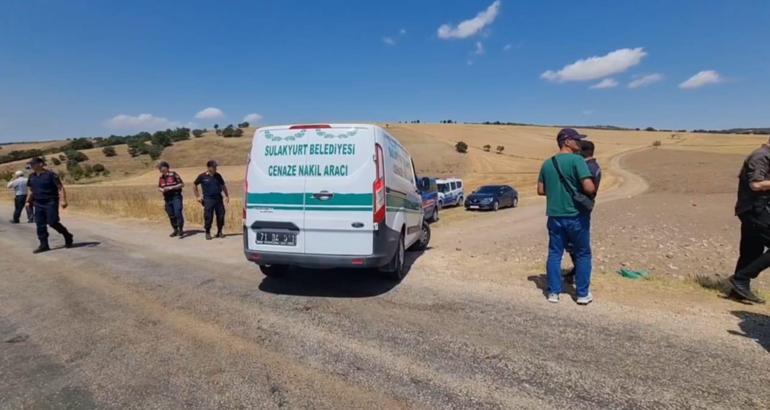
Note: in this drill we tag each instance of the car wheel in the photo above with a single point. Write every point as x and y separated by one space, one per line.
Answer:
434 216
272 271
515 202
495 206
395 269
423 241
459 201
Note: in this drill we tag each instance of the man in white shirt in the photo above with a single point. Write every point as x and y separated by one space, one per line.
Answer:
19 186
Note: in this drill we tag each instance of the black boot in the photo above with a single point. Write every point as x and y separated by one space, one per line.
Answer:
175 233
208 236
181 233
42 248
743 289
69 240
220 234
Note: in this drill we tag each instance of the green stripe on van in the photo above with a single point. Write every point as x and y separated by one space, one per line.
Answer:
297 200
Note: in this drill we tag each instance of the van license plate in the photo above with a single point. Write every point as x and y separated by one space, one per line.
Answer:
276 238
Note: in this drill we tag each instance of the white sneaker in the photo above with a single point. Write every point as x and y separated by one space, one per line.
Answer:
553 297
585 299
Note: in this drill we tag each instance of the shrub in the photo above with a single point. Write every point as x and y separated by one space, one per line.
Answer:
62 157
657 143
56 161
6 175
500 149
75 156
649 129
238 133
487 148
75 171
80 143
244 124
228 132
99 168
154 151
197 133
88 171
461 147
109 151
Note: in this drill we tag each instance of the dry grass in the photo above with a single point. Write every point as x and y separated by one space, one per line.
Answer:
147 204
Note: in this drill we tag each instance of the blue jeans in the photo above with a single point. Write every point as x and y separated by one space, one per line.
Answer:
575 230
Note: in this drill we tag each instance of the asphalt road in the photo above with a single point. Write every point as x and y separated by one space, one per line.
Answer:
133 319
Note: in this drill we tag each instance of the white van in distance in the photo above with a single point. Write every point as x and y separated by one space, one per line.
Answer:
331 195
450 192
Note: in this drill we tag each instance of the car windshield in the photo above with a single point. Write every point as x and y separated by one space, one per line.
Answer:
443 187
488 190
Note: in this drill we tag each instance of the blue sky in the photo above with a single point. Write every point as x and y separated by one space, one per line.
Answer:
88 68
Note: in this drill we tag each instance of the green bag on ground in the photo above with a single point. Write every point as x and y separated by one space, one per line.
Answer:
632 274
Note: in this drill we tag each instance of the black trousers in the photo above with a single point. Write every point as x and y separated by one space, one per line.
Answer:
47 214
19 203
754 249
213 206
175 211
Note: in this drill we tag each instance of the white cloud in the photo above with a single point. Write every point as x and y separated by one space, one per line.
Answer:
701 79
472 26
588 112
594 68
645 80
479 49
469 62
252 118
210 113
389 41
606 83
144 122
507 47
402 32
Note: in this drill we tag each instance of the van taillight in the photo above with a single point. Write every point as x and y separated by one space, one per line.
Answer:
246 188
309 126
380 201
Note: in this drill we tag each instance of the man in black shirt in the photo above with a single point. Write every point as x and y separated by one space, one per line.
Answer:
213 185
171 184
753 209
45 193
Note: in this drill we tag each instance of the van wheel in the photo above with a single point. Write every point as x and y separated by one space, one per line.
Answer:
273 271
396 269
459 201
434 216
423 240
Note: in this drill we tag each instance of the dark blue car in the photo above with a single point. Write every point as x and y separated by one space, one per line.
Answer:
429 192
492 197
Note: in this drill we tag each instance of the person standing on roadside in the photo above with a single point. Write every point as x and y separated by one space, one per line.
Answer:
753 210
171 184
213 186
19 186
565 180
587 149
46 193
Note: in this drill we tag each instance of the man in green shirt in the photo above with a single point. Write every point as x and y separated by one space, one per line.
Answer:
566 222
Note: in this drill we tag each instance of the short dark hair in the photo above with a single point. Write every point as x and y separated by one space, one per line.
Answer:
586 149
211 164
163 164
37 160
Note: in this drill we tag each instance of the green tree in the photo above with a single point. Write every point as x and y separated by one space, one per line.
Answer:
197 133
154 151
461 147
99 168
244 124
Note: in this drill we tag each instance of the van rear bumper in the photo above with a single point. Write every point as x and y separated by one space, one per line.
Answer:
385 244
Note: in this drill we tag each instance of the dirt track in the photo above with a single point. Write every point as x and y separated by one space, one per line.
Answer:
132 318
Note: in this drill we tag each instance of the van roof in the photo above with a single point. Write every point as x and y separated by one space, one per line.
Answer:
321 125
448 179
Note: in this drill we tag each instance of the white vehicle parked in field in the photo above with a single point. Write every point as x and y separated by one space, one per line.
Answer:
331 195
450 192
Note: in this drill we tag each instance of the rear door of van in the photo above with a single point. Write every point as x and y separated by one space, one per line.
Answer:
340 173
275 190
